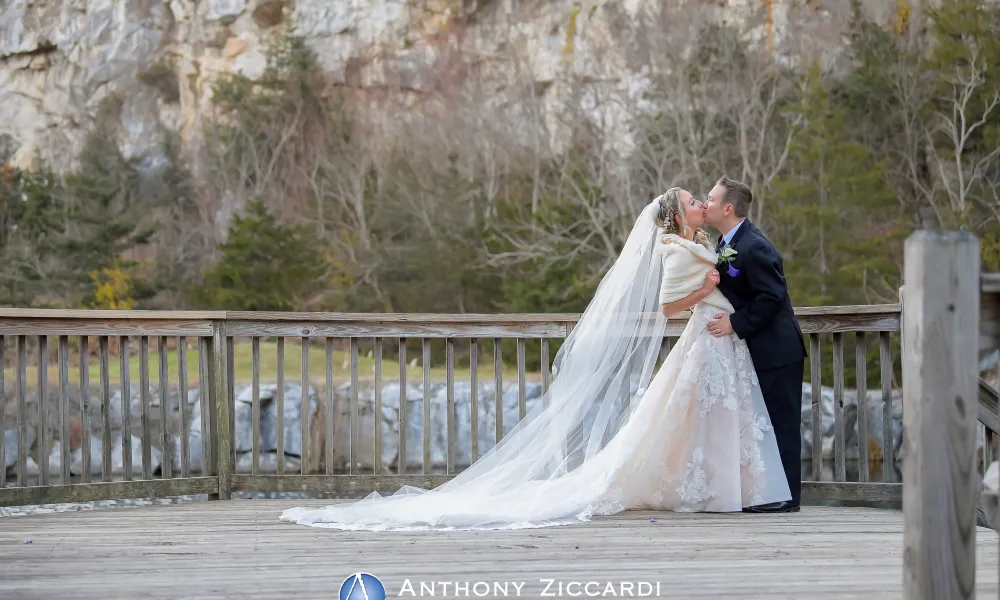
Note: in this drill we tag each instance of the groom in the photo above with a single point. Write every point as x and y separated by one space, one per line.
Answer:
753 281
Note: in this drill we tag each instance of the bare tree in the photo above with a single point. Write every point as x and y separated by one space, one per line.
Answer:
964 172
719 103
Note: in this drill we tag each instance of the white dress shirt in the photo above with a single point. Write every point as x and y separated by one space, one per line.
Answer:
728 236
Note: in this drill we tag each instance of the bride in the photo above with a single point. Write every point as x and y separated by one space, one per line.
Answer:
609 436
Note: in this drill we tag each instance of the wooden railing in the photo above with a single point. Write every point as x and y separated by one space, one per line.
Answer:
215 338
124 328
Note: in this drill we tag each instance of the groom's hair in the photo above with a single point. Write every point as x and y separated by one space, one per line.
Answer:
738 194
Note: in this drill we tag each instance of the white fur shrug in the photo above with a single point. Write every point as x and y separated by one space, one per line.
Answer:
685 264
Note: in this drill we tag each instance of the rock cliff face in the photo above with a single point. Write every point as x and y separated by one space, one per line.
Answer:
60 58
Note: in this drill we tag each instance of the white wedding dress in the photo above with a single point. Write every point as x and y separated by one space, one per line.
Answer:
695 437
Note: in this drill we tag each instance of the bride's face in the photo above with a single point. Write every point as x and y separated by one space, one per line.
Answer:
692 208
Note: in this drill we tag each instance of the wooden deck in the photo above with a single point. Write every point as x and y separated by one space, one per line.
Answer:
239 549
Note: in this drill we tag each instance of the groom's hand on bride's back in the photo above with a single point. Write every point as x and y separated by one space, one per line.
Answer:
720 325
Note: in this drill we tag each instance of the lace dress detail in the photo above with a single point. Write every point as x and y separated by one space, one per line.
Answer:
709 442
695 490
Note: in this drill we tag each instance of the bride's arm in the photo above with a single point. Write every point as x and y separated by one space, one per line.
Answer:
670 309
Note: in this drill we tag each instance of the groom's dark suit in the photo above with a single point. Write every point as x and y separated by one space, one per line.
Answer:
764 318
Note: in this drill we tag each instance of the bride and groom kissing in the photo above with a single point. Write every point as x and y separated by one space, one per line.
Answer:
715 429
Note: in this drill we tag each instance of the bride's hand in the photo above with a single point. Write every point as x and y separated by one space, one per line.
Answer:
711 280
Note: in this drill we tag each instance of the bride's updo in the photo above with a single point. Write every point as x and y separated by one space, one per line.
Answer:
670 212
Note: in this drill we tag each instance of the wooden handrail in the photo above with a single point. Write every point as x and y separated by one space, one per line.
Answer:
93 314
74 322
222 315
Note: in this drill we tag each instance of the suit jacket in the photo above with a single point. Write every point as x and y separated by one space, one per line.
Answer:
763 314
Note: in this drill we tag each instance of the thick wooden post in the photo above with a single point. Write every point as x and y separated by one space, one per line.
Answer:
939 415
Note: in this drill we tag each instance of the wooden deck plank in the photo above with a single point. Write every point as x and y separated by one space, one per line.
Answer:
239 549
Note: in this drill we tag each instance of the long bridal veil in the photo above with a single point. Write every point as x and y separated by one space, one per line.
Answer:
604 365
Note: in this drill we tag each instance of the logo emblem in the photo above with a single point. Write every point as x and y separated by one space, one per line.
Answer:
362 586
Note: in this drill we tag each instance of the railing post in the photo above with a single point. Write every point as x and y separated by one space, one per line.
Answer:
902 322
218 394
939 418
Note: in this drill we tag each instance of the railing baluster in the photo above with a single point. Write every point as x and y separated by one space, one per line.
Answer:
204 368
982 461
450 404
988 453
279 406
182 382
522 403
885 366
144 415
328 402
664 349
355 421
498 391
815 376
222 419
861 367
64 444
166 455
546 370
989 437
838 408
85 409
474 400
255 406
403 409
102 345
426 360
377 416
43 409
231 396
124 375
3 423
304 410
22 411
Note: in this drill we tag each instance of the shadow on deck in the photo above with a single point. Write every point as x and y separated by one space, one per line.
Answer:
239 549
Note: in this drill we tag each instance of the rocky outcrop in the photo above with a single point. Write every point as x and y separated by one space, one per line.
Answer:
59 59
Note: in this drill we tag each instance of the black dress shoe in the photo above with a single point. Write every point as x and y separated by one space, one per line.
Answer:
774 507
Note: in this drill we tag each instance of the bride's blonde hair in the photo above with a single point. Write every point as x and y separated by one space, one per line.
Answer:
670 212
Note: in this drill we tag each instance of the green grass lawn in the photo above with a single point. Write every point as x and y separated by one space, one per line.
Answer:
243 366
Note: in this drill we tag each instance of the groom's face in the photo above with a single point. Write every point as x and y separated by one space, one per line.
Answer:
715 208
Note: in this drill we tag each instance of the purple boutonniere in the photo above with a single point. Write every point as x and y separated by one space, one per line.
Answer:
726 256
